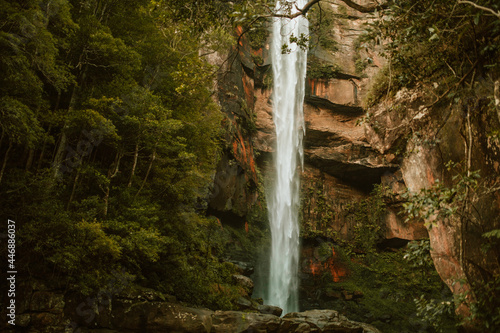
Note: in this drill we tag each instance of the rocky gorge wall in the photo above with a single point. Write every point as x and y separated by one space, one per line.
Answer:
341 163
400 143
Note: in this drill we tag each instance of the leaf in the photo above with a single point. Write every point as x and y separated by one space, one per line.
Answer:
493 233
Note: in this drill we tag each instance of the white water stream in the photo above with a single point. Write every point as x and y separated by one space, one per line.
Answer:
289 71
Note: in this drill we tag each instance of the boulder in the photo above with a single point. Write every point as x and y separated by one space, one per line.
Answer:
168 317
234 321
270 309
323 321
245 268
244 304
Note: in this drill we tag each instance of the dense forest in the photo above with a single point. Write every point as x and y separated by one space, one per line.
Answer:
112 131
109 138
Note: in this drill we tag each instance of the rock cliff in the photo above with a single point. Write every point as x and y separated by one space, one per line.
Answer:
402 143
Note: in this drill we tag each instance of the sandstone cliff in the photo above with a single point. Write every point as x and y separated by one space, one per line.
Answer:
402 143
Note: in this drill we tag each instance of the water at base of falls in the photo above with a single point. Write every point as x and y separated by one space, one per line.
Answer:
289 71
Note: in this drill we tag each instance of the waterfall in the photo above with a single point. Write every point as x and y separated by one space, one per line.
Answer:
289 71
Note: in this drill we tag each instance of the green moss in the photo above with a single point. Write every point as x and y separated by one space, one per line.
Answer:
267 80
360 65
382 85
318 212
247 119
320 69
258 60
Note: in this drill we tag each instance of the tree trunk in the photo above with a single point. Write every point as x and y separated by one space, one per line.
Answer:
77 176
1 137
113 171
134 165
42 153
29 162
5 161
59 155
153 157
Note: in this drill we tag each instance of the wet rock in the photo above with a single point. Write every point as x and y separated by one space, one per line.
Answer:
270 309
244 282
323 321
130 311
234 321
259 300
245 268
243 304
45 320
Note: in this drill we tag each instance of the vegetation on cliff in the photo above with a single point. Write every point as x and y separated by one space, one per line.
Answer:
450 50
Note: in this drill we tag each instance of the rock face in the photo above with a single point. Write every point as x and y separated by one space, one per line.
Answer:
456 134
401 143
341 160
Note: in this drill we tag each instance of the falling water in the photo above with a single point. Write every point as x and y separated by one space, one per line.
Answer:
289 72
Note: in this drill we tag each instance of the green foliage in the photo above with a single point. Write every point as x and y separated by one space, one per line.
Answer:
257 37
441 42
390 282
390 287
440 201
367 216
360 65
122 110
436 313
18 122
247 119
380 87
452 203
321 23
486 309
418 253
492 234
317 213
320 69
301 41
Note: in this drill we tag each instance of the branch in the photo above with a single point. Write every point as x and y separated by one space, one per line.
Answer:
364 9
358 7
456 85
497 14
300 12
